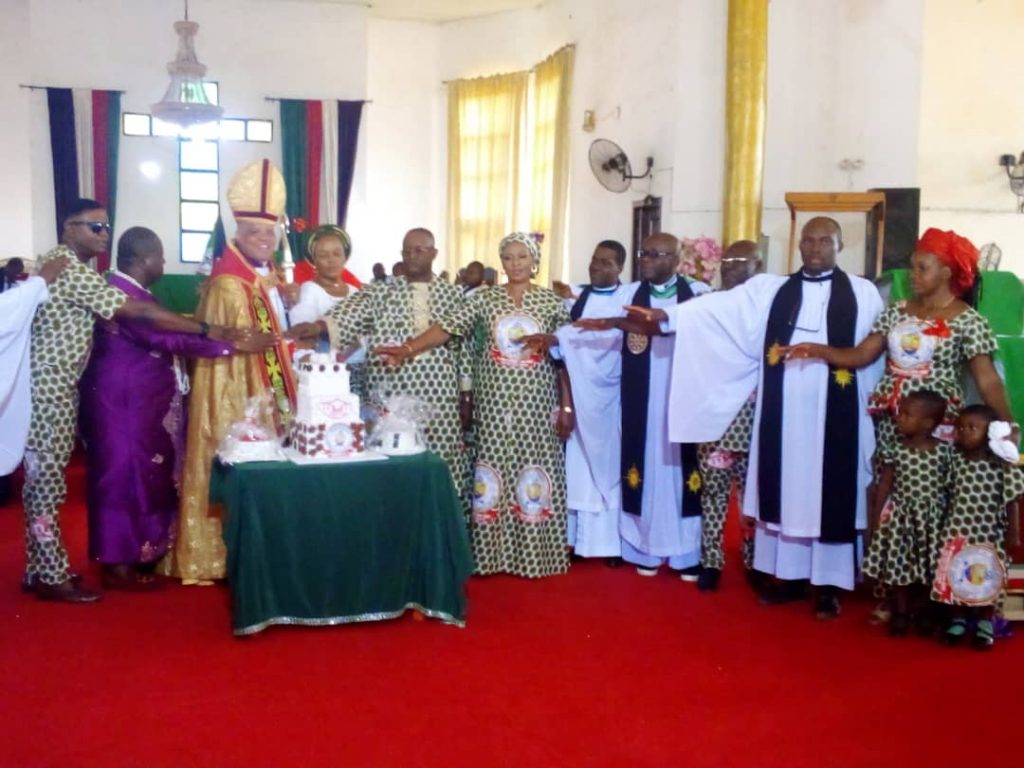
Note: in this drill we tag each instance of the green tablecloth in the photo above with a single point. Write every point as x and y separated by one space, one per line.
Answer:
339 543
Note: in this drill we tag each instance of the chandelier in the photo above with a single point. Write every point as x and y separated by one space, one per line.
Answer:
185 103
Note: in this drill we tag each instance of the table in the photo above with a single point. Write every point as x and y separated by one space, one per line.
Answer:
334 544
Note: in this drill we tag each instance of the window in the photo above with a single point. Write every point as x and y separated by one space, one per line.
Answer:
198 167
198 192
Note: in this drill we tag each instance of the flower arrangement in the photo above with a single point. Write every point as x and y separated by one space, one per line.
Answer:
700 258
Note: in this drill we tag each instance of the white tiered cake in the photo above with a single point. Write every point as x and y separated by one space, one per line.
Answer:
327 423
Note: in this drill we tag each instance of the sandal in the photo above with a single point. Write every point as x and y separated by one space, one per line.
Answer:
955 632
984 636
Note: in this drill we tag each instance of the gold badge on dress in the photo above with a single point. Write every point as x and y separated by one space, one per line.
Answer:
637 343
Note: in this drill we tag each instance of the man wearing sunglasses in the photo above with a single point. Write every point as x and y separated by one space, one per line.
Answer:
61 337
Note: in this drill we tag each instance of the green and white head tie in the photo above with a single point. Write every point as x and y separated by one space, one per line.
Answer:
528 239
328 230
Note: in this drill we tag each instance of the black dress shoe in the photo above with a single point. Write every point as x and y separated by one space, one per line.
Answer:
708 579
66 592
779 592
29 583
826 604
613 562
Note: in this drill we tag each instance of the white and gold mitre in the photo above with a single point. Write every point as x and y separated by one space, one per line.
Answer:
257 192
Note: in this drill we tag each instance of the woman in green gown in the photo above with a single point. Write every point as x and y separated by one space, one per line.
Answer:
523 408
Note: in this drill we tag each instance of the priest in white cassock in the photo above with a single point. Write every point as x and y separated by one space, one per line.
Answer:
17 308
660 520
810 457
594 361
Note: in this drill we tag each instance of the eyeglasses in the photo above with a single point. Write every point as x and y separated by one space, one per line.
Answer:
654 254
94 226
417 250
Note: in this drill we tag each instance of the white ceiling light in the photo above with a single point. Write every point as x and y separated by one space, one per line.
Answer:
185 103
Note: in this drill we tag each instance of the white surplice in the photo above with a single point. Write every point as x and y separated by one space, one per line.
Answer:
726 333
17 308
592 472
660 533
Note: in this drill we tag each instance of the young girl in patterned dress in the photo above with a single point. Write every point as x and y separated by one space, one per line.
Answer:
908 507
987 484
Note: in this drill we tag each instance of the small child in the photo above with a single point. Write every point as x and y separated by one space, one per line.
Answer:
987 483
908 508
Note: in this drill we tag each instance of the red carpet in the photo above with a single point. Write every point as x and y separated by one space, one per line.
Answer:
597 668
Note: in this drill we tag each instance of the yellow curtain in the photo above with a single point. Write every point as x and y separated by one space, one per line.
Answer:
548 129
485 125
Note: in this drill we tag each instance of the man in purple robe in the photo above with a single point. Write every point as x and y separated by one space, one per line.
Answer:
132 419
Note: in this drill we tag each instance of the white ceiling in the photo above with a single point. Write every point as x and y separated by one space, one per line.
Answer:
434 10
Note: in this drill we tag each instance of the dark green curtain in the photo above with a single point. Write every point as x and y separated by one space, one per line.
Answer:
294 159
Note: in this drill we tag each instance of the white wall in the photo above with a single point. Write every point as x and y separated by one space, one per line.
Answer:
923 91
299 50
971 113
405 147
844 81
15 169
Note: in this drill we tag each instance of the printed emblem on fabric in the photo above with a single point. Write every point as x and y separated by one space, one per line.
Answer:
509 331
694 482
911 348
842 377
486 494
969 574
637 343
720 459
533 495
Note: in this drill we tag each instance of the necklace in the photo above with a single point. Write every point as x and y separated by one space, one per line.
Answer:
935 310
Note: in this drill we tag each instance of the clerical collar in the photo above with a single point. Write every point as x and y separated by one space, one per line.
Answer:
823 277
605 291
130 279
665 291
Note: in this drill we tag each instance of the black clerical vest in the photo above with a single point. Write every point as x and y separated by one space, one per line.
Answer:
636 372
839 491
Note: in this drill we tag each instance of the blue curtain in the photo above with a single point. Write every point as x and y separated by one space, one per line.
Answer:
65 152
349 115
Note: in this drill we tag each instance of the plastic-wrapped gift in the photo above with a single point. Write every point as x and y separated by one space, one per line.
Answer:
399 430
253 438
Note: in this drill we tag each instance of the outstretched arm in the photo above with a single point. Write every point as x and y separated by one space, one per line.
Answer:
433 337
861 356
166 320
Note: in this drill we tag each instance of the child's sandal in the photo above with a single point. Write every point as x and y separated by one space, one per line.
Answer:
984 636
955 632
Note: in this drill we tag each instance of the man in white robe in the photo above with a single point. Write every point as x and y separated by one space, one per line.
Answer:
660 521
17 308
727 333
594 362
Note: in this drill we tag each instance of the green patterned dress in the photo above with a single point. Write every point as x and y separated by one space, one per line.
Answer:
903 549
384 314
925 354
518 524
972 539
